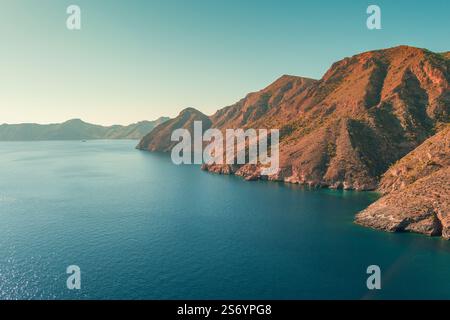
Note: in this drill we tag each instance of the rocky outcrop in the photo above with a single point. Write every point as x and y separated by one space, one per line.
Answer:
431 156
417 192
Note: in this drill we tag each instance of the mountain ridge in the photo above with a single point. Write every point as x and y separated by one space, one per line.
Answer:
346 129
75 129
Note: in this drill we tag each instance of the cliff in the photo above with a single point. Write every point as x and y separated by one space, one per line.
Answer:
417 192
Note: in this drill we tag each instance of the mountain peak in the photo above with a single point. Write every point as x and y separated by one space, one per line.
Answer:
190 110
404 47
74 121
288 80
289 77
397 50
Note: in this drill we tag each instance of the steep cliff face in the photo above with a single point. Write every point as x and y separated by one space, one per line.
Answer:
417 192
345 130
160 138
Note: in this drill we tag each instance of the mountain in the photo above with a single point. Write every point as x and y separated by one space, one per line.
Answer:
160 138
417 192
75 129
346 129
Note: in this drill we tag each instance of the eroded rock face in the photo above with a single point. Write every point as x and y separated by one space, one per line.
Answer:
417 192
421 207
431 156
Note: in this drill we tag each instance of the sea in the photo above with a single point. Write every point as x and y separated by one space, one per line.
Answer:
139 227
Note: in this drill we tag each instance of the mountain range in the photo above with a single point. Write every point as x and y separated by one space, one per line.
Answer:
346 130
75 129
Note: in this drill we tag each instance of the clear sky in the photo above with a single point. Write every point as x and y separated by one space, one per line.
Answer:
141 59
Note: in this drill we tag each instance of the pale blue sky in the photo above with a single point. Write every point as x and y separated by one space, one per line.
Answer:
141 59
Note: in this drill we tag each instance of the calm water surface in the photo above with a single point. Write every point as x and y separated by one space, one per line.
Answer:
140 227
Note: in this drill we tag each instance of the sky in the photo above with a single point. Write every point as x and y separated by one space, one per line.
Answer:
138 60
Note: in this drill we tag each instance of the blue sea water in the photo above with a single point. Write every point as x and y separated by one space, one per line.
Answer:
140 227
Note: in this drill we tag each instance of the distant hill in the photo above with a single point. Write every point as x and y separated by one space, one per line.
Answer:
75 129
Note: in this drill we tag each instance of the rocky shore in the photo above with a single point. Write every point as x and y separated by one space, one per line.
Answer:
417 192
